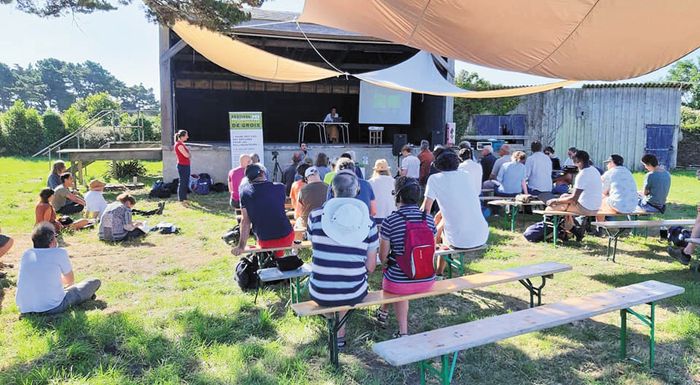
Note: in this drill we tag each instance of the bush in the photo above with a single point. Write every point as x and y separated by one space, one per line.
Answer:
122 170
23 131
54 128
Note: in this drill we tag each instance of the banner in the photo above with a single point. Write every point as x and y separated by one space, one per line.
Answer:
450 133
246 135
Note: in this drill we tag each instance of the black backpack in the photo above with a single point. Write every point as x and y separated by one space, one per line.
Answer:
159 190
173 185
246 272
219 187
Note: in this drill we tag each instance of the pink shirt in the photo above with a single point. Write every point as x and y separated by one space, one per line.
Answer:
235 176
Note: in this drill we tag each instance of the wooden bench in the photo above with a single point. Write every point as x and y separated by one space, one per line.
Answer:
423 347
455 257
614 229
512 207
558 215
295 278
521 274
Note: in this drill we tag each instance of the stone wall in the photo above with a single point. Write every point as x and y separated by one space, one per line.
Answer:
689 150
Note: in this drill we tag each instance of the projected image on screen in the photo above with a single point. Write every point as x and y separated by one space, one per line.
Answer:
379 105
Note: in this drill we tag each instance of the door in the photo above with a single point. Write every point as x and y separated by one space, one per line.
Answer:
660 142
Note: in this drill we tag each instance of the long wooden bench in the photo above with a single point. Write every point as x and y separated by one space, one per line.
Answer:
521 274
558 215
423 347
512 207
614 229
455 258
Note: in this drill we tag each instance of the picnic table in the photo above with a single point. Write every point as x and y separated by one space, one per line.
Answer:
512 208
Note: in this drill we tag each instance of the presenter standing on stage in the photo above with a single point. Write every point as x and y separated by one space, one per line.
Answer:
182 153
332 130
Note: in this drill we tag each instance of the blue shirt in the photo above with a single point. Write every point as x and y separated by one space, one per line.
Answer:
511 175
366 193
394 230
338 272
264 202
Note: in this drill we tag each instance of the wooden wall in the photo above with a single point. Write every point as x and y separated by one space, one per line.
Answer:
601 120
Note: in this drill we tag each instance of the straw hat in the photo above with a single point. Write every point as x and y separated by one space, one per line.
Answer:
96 184
381 165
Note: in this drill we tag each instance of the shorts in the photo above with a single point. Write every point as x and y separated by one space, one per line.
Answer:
406 288
286 241
3 240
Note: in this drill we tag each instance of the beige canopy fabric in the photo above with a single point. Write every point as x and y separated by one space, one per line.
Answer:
246 60
566 39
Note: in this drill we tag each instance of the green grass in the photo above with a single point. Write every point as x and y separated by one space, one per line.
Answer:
169 311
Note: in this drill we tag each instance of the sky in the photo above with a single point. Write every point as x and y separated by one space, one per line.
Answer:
126 44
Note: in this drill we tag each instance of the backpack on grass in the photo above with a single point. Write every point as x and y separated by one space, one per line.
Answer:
246 272
418 250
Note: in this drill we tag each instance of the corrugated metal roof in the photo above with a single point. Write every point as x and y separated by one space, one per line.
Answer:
680 85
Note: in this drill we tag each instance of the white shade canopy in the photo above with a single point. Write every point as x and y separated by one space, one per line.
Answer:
564 39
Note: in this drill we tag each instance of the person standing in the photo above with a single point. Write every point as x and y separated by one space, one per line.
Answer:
657 184
46 282
235 176
538 170
184 159
426 159
410 164
383 186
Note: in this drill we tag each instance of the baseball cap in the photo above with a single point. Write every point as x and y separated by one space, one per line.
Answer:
253 171
310 171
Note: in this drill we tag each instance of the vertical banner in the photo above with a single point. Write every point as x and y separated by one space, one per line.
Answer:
246 135
450 133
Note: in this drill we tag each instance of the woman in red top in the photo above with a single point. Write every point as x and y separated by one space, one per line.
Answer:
183 164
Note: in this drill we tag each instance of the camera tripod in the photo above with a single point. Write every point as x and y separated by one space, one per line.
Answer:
276 168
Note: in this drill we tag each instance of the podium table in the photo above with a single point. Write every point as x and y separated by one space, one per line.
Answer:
343 126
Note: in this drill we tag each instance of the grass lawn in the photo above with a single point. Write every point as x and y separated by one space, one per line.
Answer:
169 311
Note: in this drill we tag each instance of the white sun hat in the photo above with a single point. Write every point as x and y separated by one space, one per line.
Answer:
346 220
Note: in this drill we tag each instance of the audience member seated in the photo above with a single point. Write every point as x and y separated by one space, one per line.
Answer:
569 161
588 192
549 151
65 200
619 188
461 224
344 247
296 188
487 161
235 176
322 165
391 244
512 176
425 156
116 222
328 178
685 254
538 170
289 173
358 171
503 158
54 179
45 212
383 187
95 203
262 208
469 166
657 184
563 179
46 283
311 196
5 246
366 193
410 164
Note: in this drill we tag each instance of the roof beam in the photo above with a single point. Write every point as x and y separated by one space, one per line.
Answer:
172 51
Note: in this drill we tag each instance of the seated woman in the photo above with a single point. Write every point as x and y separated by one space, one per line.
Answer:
54 179
116 223
391 244
44 212
512 175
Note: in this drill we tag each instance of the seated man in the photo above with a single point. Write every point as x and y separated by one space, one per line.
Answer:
46 281
588 192
311 196
116 222
344 247
235 176
619 188
262 207
469 166
657 184
511 176
95 201
539 170
685 254
366 193
65 200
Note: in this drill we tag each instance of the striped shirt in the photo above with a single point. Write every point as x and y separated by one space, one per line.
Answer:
338 272
394 231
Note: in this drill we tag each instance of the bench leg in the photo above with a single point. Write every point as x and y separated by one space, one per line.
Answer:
445 372
555 220
334 324
457 263
513 218
612 241
649 320
536 290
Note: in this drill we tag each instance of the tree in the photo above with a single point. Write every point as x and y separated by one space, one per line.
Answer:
54 127
464 108
85 108
688 72
52 73
7 80
139 98
22 129
213 14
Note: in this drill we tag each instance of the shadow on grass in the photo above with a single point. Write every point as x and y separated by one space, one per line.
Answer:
229 329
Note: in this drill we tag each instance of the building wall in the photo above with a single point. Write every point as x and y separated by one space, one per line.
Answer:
601 121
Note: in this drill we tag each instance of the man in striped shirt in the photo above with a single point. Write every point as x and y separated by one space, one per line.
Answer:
344 242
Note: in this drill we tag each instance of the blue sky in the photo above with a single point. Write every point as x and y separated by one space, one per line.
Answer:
125 43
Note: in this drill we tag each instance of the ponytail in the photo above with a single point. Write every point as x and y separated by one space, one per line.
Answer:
180 134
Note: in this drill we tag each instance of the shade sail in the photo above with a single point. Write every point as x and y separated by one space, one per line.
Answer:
566 39
246 60
419 74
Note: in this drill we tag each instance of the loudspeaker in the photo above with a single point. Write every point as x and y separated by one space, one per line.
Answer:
400 140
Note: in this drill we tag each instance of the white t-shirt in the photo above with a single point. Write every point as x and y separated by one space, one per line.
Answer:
538 171
329 117
39 286
622 189
94 201
411 164
568 162
589 181
383 185
474 170
465 226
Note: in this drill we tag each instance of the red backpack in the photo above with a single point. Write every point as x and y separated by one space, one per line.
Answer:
418 251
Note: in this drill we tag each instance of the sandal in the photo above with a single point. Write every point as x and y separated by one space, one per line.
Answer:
381 316
399 335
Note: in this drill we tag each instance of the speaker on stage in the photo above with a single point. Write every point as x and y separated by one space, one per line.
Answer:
400 140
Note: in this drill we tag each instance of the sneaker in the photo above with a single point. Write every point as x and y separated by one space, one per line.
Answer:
341 342
398 335
161 206
679 255
94 297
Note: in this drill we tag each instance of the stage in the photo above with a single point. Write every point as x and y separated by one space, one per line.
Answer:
214 158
